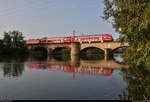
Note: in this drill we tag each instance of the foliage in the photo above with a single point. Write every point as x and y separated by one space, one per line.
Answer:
131 18
13 43
14 39
1 46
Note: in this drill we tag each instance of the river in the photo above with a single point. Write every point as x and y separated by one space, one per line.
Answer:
35 79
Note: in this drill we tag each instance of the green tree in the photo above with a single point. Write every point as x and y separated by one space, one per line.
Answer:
14 39
131 18
7 40
1 46
14 43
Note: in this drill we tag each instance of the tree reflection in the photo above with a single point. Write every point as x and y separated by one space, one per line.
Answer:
13 70
138 80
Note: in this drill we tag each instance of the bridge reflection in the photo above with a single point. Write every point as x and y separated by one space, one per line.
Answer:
99 67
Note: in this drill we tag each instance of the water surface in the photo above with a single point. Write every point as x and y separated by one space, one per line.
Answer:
51 79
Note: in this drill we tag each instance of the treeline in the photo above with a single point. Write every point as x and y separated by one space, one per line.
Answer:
13 44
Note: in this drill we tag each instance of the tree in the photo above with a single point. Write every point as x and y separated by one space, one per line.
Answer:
14 43
131 18
1 46
14 39
7 39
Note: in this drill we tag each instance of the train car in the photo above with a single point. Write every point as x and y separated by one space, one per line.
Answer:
96 38
90 38
37 41
61 40
54 40
67 39
43 41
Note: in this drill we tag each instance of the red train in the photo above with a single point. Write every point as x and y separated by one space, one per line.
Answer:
81 39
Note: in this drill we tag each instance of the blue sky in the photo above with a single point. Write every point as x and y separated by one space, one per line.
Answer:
53 18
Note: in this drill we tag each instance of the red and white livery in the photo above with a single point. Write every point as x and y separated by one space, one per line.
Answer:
81 39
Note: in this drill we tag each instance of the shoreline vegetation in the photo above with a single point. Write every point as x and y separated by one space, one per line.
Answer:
13 44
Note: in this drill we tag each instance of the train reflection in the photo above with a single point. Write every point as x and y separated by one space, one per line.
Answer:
67 68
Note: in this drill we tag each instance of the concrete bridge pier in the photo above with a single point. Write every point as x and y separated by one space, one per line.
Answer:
108 54
75 49
75 52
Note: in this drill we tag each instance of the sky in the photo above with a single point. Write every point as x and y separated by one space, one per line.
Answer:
53 18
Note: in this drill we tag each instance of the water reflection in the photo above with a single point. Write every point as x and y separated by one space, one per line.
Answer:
49 78
138 80
96 67
67 68
13 69
110 79
12 66
118 57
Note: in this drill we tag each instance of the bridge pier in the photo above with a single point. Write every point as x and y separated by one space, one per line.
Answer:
108 54
75 52
75 49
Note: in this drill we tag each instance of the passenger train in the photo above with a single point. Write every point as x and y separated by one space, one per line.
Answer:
81 39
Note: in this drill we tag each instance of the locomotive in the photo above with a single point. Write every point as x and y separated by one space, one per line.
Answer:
81 39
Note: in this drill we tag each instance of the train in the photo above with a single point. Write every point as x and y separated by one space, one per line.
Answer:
81 39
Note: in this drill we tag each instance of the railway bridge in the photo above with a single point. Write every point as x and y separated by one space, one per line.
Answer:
76 47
